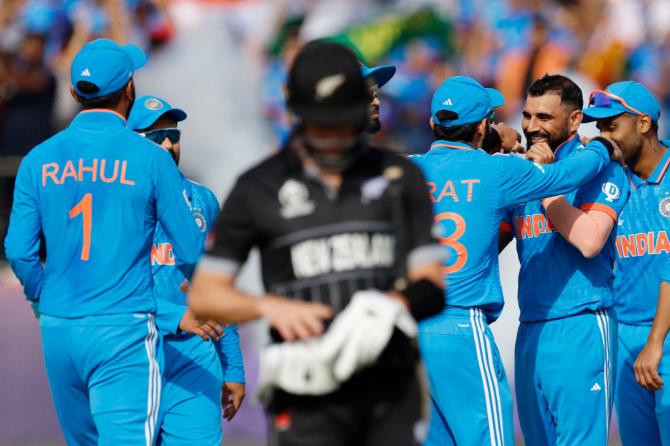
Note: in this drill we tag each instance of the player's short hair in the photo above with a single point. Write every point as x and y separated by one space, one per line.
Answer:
108 101
460 133
570 93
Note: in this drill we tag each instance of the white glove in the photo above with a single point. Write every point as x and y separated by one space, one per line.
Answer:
375 316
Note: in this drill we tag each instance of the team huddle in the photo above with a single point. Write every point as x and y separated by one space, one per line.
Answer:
371 262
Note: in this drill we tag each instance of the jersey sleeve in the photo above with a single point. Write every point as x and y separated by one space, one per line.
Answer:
422 246
174 210
521 181
230 355
233 235
22 243
607 192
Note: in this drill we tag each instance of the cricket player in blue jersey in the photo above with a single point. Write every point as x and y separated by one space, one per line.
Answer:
96 190
651 365
628 113
196 372
566 341
470 189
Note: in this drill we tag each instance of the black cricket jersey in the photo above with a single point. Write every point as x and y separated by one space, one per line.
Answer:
318 244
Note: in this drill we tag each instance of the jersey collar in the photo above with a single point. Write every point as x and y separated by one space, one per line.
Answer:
662 167
657 175
98 117
567 146
443 144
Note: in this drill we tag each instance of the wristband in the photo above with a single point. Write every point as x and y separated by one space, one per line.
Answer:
425 299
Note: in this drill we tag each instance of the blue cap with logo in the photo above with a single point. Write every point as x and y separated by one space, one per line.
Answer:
381 74
465 97
107 65
148 109
622 97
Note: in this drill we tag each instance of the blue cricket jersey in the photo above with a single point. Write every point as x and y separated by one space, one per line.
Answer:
642 245
96 190
470 191
168 278
555 279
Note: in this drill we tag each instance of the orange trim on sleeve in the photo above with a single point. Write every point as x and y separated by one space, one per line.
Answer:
504 226
600 207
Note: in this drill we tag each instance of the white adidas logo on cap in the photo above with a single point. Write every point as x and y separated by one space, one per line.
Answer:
85 73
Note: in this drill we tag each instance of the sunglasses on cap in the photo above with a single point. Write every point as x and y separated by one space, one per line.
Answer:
158 136
602 98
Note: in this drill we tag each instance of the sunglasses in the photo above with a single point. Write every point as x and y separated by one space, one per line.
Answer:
158 136
602 98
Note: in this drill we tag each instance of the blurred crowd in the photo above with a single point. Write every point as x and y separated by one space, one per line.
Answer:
505 44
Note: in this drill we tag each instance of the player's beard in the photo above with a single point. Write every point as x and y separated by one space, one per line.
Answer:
375 124
553 140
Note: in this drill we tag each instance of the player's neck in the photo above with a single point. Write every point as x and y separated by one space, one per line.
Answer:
650 155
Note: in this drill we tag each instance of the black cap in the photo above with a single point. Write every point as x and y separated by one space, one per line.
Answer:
326 86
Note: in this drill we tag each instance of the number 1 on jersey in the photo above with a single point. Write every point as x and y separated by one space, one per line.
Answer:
85 206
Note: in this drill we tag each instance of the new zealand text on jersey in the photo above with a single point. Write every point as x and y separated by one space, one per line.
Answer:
93 170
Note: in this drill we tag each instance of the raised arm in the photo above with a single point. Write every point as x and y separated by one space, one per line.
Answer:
522 181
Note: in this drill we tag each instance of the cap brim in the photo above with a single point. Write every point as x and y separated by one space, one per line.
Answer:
497 99
150 119
136 55
381 74
352 115
177 114
595 113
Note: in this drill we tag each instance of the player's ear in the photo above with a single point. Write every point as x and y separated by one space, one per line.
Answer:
130 90
644 123
575 120
74 94
481 128
432 123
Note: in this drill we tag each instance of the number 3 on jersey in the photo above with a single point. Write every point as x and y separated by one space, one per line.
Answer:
451 241
85 206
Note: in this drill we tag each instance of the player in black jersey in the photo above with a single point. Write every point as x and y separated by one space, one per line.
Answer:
332 217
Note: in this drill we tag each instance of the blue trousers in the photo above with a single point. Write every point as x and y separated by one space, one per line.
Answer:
471 403
191 404
104 374
564 379
644 416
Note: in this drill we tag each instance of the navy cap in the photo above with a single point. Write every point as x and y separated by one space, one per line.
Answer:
148 109
381 74
622 97
467 98
107 65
